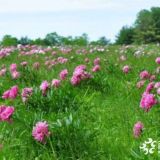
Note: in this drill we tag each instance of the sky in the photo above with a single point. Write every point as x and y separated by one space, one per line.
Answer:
97 18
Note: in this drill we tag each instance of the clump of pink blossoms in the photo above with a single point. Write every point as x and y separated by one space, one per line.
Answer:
63 74
6 113
149 87
3 72
144 75
97 61
44 87
13 67
157 60
15 75
40 132
96 68
147 101
11 93
137 129
55 83
140 84
26 93
126 69
79 74
13 70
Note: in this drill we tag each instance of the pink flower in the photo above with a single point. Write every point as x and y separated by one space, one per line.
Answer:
24 63
158 91
44 87
15 75
3 72
137 129
26 93
6 113
40 132
79 74
11 94
152 78
126 69
147 101
75 80
97 61
56 83
6 94
96 68
13 67
63 74
144 75
140 83
157 85
157 60
149 87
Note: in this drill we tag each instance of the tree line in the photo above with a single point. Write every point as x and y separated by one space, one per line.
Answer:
146 29
53 39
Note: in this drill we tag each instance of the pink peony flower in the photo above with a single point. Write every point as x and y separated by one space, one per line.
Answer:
63 74
140 83
157 85
13 67
97 61
11 94
24 63
152 78
96 68
3 72
15 75
79 74
44 87
158 91
144 75
6 113
40 132
55 83
147 101
157 60
26 93
137 129
75 80
149 87
126 69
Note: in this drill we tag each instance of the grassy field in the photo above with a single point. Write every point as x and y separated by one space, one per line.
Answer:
91 120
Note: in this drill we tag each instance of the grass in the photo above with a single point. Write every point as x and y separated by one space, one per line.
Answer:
93 120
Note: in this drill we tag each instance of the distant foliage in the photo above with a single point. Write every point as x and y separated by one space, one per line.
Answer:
125 36
146 28
9 41
53 39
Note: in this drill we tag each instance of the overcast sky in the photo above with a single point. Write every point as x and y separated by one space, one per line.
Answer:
36 18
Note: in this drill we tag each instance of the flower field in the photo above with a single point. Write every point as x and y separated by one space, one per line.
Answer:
85 103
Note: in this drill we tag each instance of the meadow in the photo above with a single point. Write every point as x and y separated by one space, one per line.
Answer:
78 103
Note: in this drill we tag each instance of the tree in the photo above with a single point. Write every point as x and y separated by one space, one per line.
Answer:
24 41
8 40
103 41
125 36
53 39
81 40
